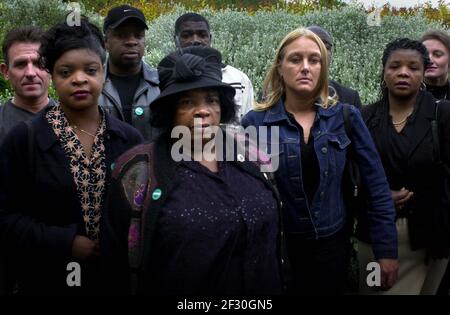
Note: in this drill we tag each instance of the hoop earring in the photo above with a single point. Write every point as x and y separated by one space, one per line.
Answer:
383 84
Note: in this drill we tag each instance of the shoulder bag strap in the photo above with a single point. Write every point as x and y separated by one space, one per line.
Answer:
435 135
352 167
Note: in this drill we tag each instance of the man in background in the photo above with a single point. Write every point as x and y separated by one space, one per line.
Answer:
192 29
28 79
29 82
130 84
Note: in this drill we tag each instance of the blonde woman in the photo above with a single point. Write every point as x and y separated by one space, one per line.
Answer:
436 79
313 147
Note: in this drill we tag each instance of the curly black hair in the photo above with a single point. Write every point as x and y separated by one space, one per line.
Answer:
61 38
402 43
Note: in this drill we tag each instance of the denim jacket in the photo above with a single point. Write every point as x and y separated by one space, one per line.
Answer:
326 214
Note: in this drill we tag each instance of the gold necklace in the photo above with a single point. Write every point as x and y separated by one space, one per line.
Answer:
82 130
400 122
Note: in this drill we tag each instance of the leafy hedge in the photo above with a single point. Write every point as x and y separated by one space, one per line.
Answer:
155 8
44 14
248 42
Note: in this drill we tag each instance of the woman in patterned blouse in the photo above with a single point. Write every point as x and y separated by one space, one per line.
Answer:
54 172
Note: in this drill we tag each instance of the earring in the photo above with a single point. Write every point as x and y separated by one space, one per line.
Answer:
423 86
383 84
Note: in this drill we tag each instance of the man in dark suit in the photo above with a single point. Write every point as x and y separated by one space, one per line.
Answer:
345 94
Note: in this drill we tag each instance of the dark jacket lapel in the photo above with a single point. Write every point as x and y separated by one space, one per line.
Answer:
374 116
422 120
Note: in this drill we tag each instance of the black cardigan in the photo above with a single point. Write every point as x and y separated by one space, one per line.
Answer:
436 93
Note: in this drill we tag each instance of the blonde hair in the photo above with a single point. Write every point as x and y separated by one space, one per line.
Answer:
273 84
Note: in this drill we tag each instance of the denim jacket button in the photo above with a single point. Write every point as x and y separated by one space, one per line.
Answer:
321 194
324 150
325 173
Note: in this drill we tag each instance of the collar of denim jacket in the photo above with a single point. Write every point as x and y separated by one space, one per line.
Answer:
278 112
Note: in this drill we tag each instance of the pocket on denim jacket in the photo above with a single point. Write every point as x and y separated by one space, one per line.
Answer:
337 155
341 140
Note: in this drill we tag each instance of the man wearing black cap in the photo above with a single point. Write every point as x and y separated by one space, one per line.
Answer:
345 94
130 84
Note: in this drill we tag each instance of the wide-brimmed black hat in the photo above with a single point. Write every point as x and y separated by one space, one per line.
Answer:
120 14
189 69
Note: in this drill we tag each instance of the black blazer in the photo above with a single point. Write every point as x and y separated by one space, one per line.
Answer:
429 208
40 213
437 94
345 94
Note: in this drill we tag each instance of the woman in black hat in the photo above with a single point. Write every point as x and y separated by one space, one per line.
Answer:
183 221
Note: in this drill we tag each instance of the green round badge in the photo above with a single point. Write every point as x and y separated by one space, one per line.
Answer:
139 111
156 194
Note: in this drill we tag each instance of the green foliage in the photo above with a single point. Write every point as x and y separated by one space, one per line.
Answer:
155 8
14 13
248 42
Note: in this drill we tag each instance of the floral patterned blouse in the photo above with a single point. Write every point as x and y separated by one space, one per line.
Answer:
88 174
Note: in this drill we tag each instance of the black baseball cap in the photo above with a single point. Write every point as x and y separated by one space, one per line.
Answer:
323 34
120 14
